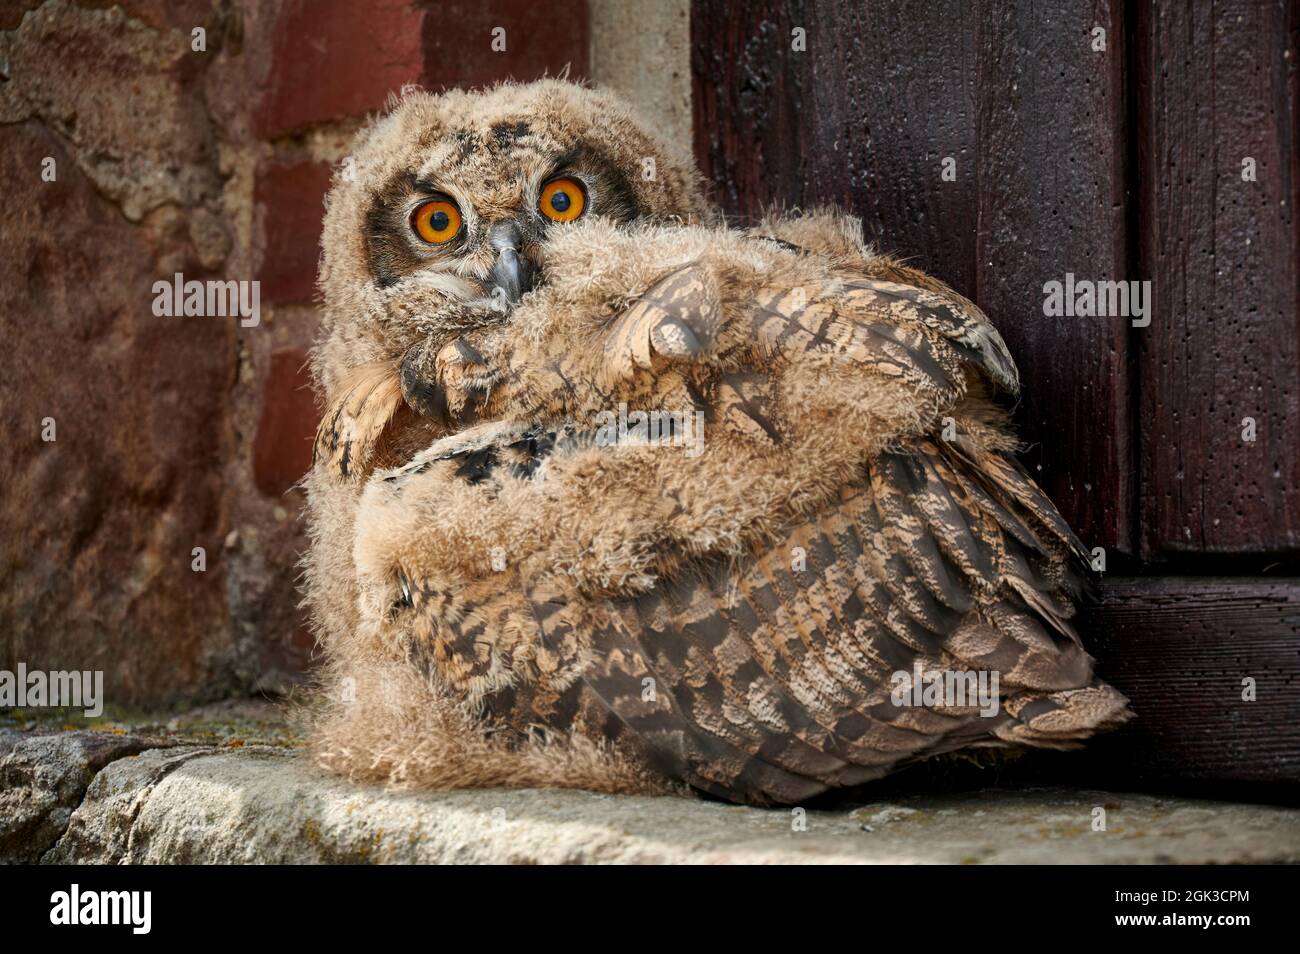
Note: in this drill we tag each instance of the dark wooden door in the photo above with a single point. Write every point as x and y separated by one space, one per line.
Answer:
1005 146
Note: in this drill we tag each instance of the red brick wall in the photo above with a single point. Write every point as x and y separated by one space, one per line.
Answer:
176 433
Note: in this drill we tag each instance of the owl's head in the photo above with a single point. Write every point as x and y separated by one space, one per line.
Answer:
445 206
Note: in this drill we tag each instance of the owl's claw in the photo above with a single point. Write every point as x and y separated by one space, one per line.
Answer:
450 384
468 353
420 388
678 318
404 590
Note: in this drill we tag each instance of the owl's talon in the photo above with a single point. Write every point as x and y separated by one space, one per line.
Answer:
424 396
420 386
673 338
468 352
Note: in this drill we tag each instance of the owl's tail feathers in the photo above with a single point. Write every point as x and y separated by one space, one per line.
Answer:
1064 719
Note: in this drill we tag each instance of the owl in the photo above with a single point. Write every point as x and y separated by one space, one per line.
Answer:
609 494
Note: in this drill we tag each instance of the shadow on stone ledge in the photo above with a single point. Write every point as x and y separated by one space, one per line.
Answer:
103 797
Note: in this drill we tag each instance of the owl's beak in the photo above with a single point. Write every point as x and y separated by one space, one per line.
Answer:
511 272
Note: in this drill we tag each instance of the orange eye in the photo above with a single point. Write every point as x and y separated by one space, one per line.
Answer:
562 200
437 221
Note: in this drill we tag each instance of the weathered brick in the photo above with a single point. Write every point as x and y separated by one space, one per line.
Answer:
540 39
336 58
183 15
282 447
97 528
291 197
333 59
12 12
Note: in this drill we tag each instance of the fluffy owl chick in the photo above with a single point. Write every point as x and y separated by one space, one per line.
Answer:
829 512
437 215
828 517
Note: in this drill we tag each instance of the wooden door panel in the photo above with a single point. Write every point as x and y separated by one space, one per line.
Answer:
1181 650
878 69
1121 163
1216 87
751 95
865 117
1052 204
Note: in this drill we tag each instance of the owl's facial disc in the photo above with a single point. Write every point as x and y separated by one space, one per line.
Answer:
472 213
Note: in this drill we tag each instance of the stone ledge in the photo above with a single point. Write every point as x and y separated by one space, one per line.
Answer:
117 799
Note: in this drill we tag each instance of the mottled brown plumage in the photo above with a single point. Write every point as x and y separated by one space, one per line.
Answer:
730 613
